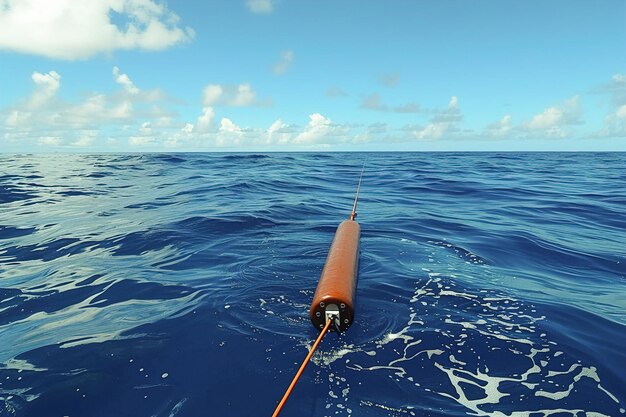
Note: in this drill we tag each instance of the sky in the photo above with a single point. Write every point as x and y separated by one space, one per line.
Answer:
304 75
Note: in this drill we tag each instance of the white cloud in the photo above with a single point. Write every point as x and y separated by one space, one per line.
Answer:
146 129
44 115
17 118
500 129
140 140
46 87
229 134
431 132
86 139
124 80
615 121
145 135
227 126
50 141
616 88
279 133
241 95
614 125
205 120
260 6
78 29
554 121
445 123
212 94
283 64
318 130
450 115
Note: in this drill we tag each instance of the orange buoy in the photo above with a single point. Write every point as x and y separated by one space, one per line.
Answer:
333 301
334 296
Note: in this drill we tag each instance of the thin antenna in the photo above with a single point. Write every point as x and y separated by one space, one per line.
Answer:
356 197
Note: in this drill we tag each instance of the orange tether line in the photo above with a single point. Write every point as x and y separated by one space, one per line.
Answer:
304 364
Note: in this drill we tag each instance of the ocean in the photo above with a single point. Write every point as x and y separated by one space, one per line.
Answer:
490 284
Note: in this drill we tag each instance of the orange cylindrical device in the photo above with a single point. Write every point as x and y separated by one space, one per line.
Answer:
335 291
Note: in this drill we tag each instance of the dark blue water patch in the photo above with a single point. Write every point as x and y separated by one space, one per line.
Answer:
543 254
8 232
193 230
202 259
133 371
210 226
10 194
153 205
462 253
74 193
169 158
89 280
244 157
28 303
46 251
588 336
132 290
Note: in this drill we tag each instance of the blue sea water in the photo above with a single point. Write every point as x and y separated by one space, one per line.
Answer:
490 284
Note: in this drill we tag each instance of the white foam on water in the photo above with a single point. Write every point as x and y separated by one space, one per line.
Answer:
21 365
500 324
386 408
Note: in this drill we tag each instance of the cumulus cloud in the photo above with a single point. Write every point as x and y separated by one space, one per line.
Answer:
614 124
284 62
319 130
260 6
146 135
615 120
205 120
452 114
500 129
36 110
241 95
78 29
279 133
554 121
45 115
50 141
444 123
212 94
229 134
125 81
86 139
46 87
227 126
615 88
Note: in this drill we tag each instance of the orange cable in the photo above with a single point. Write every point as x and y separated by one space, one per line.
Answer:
304 364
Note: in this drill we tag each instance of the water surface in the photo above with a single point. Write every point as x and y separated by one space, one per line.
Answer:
491 284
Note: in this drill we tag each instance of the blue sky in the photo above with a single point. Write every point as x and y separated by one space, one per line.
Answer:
285 75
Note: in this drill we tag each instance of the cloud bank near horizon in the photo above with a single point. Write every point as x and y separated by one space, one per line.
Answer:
137 118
